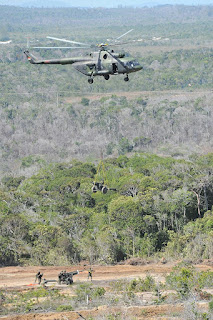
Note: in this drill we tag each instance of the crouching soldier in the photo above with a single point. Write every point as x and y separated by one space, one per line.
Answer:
39 276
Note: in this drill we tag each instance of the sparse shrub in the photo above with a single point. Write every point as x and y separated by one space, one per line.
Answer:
98 292
29 305
185 279
119 285
116 316
86 289
192 312
64 308
142 102
71 111
181 279
141 285
85 101
205 279
135 285
38 293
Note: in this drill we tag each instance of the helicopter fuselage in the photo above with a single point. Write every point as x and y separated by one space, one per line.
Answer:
104 63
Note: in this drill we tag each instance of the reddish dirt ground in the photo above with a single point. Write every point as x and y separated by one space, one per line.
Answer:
23 277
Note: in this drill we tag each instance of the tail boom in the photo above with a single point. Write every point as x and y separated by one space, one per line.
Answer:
32 59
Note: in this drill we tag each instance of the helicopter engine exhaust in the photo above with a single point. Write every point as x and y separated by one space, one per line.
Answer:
119 55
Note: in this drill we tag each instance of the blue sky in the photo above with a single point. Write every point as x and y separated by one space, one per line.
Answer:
104 3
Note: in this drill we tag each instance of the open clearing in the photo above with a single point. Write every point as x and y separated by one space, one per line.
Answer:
22 279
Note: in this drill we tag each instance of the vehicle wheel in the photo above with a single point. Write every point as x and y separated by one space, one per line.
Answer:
104 190
90 80
69 281
106 77
94 189
126 78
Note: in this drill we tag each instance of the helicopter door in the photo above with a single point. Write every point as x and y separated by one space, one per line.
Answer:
115 68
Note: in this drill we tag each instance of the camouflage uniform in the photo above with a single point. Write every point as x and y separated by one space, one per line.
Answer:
89 274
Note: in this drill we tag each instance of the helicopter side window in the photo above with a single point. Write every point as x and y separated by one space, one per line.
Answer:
91 67
114 68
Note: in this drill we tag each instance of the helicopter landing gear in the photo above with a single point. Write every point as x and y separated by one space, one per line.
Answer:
90 80
106 77
126 78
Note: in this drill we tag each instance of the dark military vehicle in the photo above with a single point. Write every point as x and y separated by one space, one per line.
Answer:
67 277
100 186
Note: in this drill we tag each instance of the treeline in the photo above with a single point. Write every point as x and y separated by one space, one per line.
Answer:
99 24
161 207
163 14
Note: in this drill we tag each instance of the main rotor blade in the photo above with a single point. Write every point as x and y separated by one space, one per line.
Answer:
122 43
59 47
68 41
124 34
118 43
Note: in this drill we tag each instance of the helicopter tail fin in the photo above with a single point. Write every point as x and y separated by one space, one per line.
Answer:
31 58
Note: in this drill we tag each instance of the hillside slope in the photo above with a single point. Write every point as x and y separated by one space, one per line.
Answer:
178 124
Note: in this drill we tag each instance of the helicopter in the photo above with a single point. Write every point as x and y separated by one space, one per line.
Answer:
102 62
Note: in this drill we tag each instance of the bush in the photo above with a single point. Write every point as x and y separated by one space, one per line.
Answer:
182 279
85 101
98 292
64 308
142 285
85 289
205 279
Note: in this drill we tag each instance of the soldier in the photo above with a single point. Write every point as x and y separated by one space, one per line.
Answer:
37 275
90 274
40 277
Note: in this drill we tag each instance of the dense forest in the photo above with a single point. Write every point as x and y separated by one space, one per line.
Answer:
153 133
158 206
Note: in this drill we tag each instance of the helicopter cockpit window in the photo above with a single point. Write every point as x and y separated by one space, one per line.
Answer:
105 56
132 63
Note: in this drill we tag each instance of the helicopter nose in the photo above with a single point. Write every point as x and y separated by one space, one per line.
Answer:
139 67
